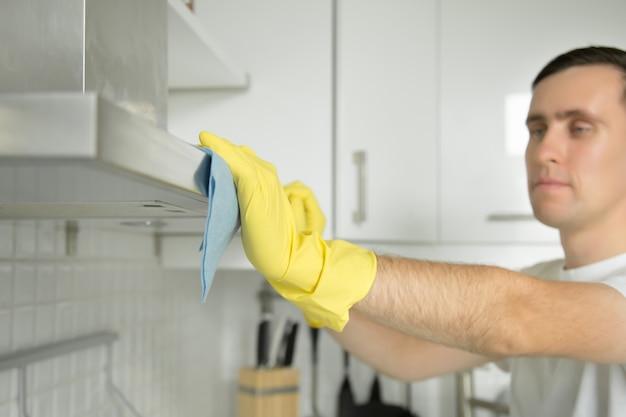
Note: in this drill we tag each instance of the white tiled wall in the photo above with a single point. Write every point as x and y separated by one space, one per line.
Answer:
115 283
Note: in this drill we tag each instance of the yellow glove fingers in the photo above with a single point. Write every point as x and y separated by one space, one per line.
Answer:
307 211
242 161
298 193
263 206
299 213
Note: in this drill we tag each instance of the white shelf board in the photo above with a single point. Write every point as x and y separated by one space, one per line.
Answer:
182 252
195 60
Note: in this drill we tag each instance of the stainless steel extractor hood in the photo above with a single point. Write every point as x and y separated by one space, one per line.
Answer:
76 155
83 105
115 47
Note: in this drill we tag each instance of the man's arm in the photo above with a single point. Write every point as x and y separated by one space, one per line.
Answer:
485 310
399 355
495 312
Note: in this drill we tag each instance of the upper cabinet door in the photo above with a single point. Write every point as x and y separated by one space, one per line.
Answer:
284 113
490 52
386 120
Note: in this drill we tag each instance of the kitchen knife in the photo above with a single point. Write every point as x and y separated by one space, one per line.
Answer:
278 338
263 341
287 359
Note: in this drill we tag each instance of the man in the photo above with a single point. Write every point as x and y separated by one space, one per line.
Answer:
559 326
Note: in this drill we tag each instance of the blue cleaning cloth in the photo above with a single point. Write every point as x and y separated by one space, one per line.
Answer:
215 181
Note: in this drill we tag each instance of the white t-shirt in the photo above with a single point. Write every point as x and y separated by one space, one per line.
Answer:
563 387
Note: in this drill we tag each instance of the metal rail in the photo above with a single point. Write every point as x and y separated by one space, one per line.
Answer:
466 403
22 358
25 357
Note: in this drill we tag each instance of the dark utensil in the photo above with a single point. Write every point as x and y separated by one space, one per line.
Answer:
376 408
287 359
345 404
280 332
382 410
375 396
263 342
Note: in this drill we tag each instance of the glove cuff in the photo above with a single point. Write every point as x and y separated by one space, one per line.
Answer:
347 276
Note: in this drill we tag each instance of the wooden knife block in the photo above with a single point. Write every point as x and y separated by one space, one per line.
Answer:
271 392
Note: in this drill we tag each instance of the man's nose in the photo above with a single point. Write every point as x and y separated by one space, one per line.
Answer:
551 147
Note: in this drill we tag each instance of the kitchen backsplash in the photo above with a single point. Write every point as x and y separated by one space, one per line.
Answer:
163 360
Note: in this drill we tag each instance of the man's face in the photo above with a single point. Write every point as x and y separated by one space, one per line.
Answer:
576 154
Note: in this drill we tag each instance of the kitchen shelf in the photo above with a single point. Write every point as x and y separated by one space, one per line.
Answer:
195 59
179 251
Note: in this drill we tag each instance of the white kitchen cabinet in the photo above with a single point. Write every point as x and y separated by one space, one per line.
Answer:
422 90
285 112
386 120
490 53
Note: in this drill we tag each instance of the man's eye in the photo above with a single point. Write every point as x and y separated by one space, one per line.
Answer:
580 129
536 132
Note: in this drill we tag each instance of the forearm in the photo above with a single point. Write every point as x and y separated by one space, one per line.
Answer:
399 355
468 307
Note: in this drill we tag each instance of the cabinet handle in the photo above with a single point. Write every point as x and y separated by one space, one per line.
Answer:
358 157
510 217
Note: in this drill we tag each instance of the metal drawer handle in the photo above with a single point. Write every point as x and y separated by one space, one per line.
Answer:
510 217
360 215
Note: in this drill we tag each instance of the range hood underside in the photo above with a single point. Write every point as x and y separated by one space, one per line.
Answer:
74 155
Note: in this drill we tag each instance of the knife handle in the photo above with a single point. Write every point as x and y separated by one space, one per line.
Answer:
314 334
291 343
262 347
278 339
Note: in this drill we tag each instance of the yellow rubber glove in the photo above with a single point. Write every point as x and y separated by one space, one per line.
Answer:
308 216
323 278
306 210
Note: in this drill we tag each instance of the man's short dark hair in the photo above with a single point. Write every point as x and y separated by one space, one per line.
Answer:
592 55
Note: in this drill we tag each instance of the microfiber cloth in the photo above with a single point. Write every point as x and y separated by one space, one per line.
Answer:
215 181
